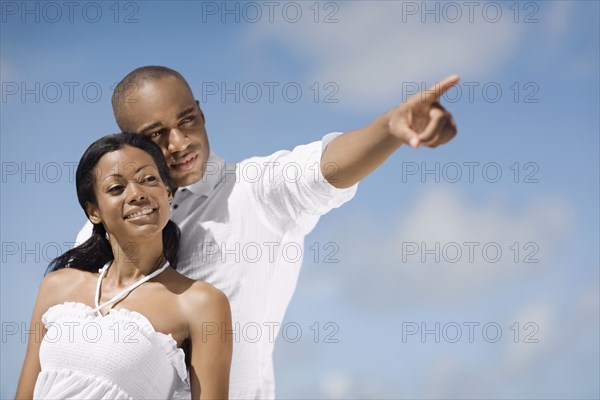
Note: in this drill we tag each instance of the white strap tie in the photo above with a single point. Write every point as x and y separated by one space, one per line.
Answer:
123 293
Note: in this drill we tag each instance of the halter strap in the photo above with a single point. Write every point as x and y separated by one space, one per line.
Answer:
125 291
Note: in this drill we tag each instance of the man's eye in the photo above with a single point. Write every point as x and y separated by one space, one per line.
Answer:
187 120
154 135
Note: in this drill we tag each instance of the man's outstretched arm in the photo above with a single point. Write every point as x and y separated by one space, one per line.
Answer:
419 121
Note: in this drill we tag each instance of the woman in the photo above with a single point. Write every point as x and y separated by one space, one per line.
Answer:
112 325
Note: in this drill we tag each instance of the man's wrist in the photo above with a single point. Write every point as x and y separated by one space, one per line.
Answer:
382 126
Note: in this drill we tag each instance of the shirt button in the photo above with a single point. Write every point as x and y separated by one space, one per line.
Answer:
175 207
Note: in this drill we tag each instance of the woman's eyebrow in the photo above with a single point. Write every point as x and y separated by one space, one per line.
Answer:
135 172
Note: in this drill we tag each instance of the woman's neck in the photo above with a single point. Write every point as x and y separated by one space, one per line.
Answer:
132 260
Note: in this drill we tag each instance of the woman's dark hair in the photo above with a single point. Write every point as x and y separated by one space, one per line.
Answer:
92 254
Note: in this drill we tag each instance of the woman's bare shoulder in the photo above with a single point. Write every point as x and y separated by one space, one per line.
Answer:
66 275
60 283
202 296
190 287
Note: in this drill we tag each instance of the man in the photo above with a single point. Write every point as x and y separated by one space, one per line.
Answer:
244 232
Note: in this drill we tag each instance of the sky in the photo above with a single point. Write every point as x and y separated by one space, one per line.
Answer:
466 271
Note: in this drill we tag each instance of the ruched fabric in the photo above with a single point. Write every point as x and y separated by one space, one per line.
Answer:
116 356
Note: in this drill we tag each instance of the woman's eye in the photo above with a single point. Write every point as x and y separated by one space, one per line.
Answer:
150 178
115 189
154 135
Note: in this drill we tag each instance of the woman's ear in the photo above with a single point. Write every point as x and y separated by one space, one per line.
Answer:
93 213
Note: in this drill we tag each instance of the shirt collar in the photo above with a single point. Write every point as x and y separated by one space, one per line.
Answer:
211 179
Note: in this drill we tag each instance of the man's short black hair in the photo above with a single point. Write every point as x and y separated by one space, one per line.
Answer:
126 89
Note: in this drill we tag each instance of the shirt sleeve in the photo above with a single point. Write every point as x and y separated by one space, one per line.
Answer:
292 190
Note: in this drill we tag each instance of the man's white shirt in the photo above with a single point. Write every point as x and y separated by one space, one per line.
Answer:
242 230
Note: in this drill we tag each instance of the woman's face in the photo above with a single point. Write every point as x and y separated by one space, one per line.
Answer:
132 200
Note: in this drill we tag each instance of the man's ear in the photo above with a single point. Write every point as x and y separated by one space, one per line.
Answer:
170 194
93 213
201 112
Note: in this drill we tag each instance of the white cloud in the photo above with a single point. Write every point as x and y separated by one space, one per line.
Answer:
563 341
400 268
371 51
337 386
556 21
372 280
536 333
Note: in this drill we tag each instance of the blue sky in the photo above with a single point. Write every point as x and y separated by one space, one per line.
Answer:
528 108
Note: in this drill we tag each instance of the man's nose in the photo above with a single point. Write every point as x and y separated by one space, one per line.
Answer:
177 141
